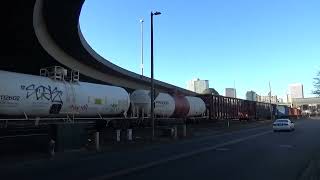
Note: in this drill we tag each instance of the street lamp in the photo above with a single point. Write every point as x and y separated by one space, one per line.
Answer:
270 101
141 21
152 83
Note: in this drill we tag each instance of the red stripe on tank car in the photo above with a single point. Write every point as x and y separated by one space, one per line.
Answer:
182 106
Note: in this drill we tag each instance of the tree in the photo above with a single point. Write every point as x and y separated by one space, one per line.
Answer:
316 84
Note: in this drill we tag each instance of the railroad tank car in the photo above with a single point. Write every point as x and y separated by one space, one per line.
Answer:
197 106
167 105
41 96
164 103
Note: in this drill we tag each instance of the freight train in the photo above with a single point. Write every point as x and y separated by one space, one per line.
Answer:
41 96
22 94
220 107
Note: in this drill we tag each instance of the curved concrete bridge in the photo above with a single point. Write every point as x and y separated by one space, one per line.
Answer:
42 33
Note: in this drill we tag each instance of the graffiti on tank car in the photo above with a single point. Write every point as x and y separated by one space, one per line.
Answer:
78 108
114 107
41 92
9 98
162 102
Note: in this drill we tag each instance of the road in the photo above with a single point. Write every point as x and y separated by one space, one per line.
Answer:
255 153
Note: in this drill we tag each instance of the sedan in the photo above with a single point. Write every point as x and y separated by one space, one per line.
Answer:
283 124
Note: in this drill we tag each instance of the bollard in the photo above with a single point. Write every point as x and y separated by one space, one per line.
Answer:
142 114
118 135
129 134
228 123
51 147
175 131
36 123
184 130
97 141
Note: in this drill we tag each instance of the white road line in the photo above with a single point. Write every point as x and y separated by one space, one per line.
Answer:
26 135
176 157
215 135
286 146
222 149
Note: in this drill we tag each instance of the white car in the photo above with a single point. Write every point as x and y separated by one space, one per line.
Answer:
283 125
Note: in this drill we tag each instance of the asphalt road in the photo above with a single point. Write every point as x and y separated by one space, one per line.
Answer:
255 153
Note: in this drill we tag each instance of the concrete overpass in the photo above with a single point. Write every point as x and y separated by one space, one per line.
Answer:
42 33
312 104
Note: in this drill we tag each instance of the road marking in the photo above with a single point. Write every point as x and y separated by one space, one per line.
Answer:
26 135
222 149
176 157
286 146
215 135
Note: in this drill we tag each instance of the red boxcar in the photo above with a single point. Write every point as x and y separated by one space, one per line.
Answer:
294 113
220 107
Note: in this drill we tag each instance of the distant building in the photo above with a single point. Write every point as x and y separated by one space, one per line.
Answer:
190 85
197 85
251 96
266 99
231 92
280 100
296 90
258 98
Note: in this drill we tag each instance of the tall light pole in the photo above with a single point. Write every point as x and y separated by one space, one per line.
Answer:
270 101
152 83
141 21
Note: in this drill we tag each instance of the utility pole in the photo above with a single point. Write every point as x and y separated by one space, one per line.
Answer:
141 21
152 81
234 87
270 101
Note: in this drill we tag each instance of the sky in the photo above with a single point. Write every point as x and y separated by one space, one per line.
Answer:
243 42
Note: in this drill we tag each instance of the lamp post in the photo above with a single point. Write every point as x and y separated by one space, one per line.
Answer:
270 101
152 83
141 21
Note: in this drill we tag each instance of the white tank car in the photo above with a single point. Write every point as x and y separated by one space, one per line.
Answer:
42 96
197 106
164 103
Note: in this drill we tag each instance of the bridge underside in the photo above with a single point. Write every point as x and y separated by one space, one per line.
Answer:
43 33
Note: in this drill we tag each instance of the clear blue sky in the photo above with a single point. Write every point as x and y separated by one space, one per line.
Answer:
246 41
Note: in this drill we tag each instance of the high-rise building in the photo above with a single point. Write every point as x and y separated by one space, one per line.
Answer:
296 90
190 85
280 100
274 99
231 92
197 85
251 96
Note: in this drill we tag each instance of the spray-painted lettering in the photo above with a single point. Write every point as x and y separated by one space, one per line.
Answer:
9 98
41 92
79 108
